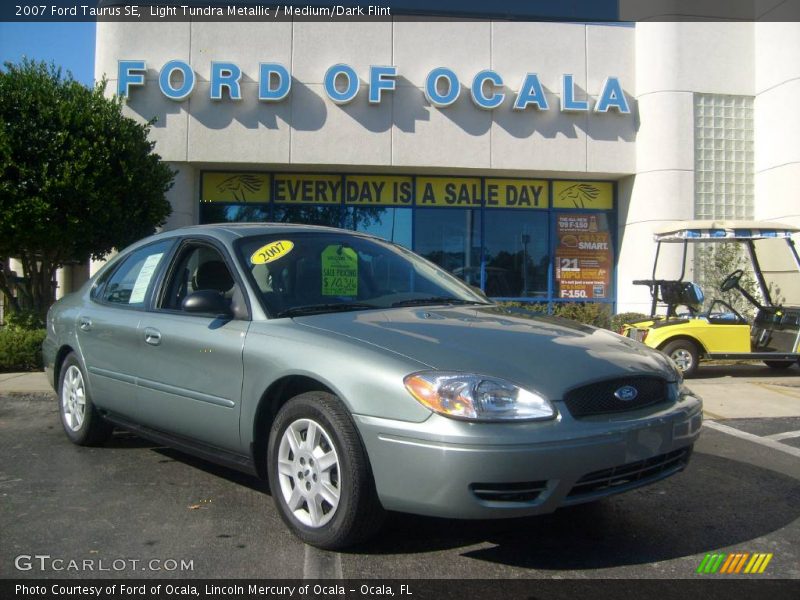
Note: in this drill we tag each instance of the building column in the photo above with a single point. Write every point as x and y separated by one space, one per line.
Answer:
663 188
777 122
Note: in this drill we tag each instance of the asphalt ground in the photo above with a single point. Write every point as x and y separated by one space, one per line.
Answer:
133 501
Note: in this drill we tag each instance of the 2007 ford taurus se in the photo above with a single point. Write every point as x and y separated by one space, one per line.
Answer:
358 378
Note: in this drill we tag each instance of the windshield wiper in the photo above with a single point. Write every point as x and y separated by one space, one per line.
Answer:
434 300
312 309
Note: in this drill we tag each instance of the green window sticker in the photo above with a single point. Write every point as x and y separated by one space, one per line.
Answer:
339 271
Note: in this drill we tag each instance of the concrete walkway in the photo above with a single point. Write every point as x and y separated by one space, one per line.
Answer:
738 391
23 383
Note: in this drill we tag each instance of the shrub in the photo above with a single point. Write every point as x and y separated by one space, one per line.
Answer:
21 349
24 319
617 321
590 313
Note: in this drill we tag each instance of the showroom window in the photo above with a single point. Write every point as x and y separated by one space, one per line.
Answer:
451 238
516 238
516 253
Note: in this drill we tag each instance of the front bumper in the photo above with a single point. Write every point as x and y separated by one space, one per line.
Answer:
457 469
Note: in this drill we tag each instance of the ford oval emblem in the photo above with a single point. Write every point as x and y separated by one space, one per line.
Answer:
626 393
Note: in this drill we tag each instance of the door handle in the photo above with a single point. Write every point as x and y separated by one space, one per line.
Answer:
85 323
152 336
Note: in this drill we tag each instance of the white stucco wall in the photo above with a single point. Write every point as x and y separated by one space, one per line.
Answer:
673 61
777 122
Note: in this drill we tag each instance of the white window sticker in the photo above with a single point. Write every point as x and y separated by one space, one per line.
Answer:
144 277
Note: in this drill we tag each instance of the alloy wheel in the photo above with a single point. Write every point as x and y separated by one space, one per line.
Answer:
309 472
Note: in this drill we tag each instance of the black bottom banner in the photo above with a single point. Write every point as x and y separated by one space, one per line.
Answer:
410 589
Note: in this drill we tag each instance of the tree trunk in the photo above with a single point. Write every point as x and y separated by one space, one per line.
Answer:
35 292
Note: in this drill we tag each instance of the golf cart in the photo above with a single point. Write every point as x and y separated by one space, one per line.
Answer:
688 334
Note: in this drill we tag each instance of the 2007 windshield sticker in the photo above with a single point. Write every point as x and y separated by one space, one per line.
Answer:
339 271
271 252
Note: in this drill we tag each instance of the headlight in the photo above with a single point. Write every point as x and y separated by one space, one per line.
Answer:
476 397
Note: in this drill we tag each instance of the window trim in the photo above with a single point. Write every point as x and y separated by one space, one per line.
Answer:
121 259
185 243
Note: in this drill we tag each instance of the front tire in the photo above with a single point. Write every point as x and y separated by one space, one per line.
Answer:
82 423
684 354
319 474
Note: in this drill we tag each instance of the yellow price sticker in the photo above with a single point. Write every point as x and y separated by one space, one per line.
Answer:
271 252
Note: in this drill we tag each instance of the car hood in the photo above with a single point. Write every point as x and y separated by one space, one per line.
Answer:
540 352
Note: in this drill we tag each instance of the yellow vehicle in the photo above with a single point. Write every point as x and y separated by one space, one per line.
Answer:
690 334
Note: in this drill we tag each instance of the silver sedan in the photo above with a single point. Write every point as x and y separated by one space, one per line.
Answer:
358 378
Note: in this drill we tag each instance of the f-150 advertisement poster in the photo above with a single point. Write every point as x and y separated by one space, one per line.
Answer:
584 256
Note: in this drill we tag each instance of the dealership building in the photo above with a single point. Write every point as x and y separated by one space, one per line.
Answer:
532 159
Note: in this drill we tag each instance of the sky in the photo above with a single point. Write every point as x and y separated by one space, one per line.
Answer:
68 45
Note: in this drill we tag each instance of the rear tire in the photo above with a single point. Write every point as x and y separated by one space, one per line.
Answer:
82 423
779 364
319 475
684 354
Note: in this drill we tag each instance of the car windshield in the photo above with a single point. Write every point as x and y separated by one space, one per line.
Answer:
317 272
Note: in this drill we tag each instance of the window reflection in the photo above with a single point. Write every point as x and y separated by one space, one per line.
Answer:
392 224
233 213
451 238
515 251
329 215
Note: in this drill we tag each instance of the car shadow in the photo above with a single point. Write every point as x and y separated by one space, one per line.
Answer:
742 370
232 475
715 503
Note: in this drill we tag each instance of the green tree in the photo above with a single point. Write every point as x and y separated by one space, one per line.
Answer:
714 262
77 178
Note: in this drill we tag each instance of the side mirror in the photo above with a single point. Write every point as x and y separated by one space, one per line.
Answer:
207 302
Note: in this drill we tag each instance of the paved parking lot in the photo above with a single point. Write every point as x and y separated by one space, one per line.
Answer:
135 502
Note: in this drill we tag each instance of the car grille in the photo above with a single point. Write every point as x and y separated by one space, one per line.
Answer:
599 398
523 491
609 481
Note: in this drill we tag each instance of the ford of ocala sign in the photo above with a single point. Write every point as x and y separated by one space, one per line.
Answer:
177 80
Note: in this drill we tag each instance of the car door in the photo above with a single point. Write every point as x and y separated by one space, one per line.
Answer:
190 365
107 327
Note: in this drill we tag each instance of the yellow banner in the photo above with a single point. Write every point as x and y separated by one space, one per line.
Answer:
308 189
456 192
235 187
372 190
517 193
583 194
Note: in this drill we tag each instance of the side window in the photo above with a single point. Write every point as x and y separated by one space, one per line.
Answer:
129 283
197 268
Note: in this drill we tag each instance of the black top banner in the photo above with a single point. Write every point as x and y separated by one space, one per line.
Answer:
527 10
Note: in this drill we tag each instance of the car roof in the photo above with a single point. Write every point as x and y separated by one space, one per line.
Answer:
233 231
711 230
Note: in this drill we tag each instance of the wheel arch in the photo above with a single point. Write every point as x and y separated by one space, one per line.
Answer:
61 355
271 401
701 349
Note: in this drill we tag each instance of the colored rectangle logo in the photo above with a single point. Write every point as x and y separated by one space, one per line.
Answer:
737 563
